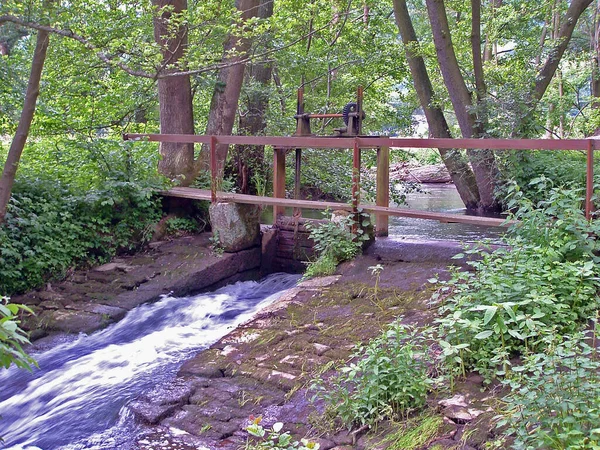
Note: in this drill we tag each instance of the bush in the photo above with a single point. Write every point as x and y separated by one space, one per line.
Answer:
545 282
334 243
12 338
555 398
388 379
49 229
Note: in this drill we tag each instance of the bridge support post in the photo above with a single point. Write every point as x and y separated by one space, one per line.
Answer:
589 188
383 190
355 183
298 211
278 180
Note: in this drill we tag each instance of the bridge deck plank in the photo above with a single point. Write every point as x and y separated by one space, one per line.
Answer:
204 194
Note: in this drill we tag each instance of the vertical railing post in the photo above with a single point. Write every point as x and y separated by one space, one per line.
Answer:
589 188
213 168
278 180
297 178
355 181
383 190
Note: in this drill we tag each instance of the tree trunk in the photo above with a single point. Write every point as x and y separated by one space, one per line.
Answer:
224 103
490 48
482 161
476 49
174 94
595 39
249 159
546 73
18 143
459 170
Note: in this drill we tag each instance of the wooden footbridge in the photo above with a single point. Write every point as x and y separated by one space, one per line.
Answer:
358 144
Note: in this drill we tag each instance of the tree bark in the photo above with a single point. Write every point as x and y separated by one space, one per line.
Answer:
459 170
476 48
546 73
249 159
224 103
174 94
482 161
18 143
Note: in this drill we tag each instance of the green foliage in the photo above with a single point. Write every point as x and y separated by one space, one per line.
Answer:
177 225
554 401
274 439
50 228
12 338
544 283
557 168
335 243
387 379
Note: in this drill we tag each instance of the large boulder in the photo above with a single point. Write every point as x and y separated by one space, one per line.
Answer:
236 226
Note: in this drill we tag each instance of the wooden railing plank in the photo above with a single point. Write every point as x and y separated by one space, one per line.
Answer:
204 194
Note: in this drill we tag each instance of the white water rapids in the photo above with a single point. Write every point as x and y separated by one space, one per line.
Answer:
78 397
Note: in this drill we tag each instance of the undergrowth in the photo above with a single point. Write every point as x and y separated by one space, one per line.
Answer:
387 379
336 242
518 315
50 229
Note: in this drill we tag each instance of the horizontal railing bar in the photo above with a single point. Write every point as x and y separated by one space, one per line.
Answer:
375 141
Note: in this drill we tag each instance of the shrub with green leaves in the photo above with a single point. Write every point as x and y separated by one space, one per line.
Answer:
554 401
50 228
545 282
388 378
335 243
12 338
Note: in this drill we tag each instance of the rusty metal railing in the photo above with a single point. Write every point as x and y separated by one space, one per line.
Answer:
377 142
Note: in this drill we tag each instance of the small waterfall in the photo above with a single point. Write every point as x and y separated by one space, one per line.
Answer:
77 398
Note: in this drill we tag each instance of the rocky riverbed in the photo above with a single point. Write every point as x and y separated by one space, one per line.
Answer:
265 367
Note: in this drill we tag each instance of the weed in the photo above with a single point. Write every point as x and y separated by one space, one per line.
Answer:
388 379
274 439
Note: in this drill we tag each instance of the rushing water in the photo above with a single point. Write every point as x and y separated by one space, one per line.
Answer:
77 398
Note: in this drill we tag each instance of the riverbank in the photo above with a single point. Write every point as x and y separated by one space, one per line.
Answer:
89 300
265 367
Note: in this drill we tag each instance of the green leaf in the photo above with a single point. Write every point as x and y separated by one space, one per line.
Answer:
484 334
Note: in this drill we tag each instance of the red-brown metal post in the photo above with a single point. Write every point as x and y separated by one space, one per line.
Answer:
383 189
278 180
297 211
355 181
213 168
589 188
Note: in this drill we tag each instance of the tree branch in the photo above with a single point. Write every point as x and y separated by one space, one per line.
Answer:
111 61
547 72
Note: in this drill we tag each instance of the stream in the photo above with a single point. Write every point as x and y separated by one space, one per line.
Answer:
78 397
434 197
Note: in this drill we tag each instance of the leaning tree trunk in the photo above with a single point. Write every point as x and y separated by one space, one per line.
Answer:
482 161
224 103
18 142
174 94
459 170
249 159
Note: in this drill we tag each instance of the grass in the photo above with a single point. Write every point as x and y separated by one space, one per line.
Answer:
414 433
